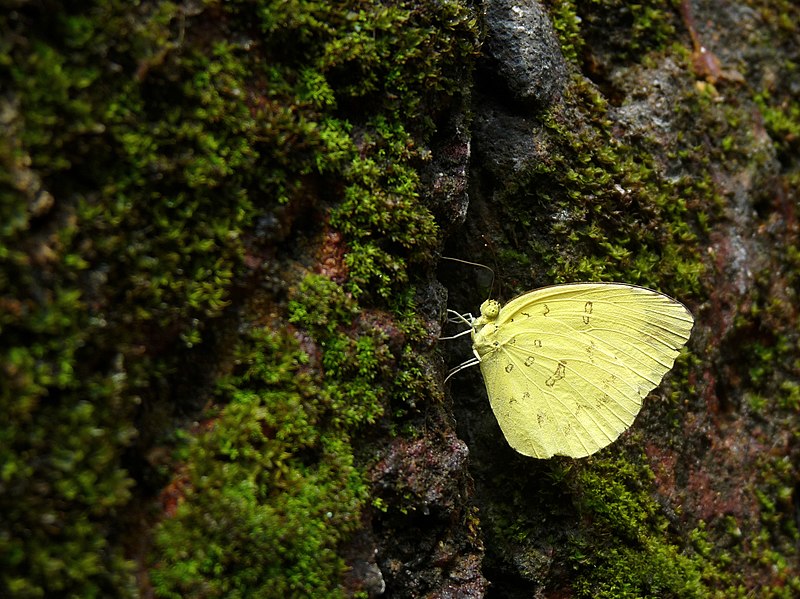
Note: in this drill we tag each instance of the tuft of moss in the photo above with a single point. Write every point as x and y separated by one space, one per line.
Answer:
625 549
269 486
629 32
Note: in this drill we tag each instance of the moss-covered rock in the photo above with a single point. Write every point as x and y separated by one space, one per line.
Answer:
217 316
164 165
667 162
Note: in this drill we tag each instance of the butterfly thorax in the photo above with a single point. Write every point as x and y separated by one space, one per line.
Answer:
482 335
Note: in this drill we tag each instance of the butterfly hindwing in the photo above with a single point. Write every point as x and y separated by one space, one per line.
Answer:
566 367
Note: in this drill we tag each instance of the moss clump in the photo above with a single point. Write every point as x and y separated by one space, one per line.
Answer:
627 31
381 214
782 120
269 488
625 549
592 527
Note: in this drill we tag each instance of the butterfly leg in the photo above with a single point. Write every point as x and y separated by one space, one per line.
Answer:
461 334
461 319
467 318
462 366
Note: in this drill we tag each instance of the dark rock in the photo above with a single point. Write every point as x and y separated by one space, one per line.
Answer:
523 46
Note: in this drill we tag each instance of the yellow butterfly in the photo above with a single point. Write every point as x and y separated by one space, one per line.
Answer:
567 367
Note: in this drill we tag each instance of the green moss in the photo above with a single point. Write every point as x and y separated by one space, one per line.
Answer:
382 215
567 25
151 158
270 487
624 549
632 550
628 31
782 122
774 548
598 522
602 210
769 338
321 305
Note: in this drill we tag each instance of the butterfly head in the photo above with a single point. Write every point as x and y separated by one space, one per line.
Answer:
490 309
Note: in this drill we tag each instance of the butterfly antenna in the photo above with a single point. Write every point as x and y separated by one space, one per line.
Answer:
491 286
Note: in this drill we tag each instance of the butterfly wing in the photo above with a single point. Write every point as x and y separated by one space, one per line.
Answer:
566 367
